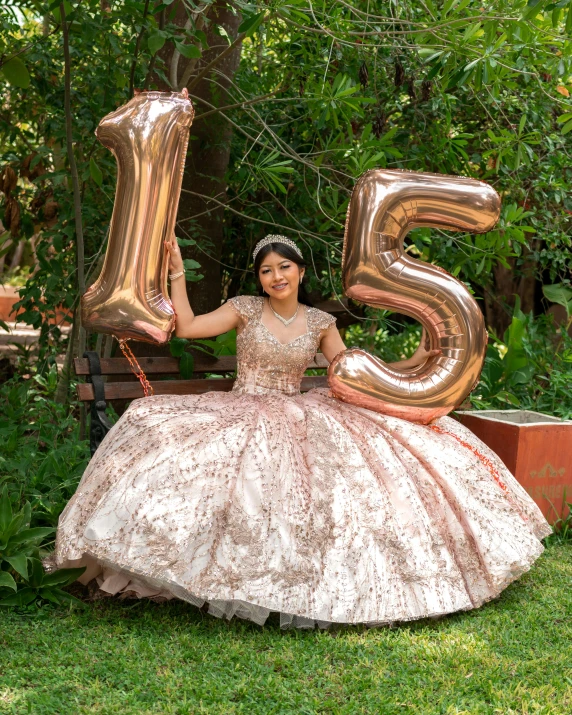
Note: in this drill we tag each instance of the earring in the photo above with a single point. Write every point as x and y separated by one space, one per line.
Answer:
301 280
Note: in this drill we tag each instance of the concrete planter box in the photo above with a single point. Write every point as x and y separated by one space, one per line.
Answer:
9 296
536 448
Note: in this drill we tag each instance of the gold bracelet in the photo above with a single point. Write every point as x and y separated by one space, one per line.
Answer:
176 275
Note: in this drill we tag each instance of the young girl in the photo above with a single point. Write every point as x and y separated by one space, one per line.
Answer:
265 499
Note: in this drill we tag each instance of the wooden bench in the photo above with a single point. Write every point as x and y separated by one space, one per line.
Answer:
160 370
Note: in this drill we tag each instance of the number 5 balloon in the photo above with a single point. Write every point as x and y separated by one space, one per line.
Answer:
148 137
384 207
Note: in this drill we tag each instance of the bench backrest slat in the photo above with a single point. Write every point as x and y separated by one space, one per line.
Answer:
133 390
156 365
170 365
128 388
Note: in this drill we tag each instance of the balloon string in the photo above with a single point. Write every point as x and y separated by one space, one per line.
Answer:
485 460
136 368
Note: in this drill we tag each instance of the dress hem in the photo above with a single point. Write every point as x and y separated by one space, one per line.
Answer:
141 583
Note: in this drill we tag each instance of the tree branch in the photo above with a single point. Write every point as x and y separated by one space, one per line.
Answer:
240 104
24 49
174 66
136 53
287 151
218 58
71 157
225 205
191 64
154 58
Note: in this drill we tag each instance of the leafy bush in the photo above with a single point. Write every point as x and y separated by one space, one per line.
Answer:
21 570
530 368
224 344
41 462
41 454
385 337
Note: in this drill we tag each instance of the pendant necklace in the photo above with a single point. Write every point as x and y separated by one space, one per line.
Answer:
280 318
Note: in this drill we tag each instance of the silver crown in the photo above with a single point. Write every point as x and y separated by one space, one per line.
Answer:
275 238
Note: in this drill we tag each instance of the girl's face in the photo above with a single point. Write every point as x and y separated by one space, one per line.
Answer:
279 276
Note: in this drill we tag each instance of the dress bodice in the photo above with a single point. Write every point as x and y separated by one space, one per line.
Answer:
264 364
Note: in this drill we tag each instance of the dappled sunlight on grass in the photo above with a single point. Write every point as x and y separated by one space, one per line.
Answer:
142 658
10 696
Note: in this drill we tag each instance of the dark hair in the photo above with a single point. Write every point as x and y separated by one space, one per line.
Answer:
286 251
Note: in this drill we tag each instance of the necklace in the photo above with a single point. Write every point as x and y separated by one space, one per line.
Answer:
280 318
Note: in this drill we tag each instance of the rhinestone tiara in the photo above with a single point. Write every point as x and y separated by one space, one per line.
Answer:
275 238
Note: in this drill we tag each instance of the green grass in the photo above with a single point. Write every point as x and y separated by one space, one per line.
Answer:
142 658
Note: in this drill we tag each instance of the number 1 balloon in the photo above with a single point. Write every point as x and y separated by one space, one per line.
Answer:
385 205
148 137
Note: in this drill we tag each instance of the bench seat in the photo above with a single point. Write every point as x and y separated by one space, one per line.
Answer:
162 373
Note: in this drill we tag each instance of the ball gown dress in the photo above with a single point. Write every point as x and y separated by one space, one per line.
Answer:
264 500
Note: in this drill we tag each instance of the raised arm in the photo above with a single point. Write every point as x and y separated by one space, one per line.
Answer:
189 325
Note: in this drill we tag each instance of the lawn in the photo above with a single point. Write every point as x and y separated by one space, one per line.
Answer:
142 658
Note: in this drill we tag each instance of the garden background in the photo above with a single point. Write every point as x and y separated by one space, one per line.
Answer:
294 100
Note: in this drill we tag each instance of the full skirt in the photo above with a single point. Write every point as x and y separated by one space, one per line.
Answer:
303 505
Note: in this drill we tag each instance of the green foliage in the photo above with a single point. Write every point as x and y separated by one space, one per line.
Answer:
250 24
453 88
385 337
268 171
497 123
560 294
529 369
21 569
16 72
224 344
562 528
39 448
41 462
333 103
191 267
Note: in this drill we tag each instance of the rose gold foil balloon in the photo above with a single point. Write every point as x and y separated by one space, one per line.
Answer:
384 207
148 137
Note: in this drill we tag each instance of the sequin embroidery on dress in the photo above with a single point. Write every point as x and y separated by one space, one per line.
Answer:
264 500
264 363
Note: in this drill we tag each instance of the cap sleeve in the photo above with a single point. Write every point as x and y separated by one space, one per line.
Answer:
320 320
245 305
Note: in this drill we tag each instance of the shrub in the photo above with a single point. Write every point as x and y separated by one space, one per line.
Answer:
41 462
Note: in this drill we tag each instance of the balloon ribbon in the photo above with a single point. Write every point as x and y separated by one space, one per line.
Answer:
136 368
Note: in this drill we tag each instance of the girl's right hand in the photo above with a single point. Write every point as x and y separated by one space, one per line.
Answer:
423 353
175 259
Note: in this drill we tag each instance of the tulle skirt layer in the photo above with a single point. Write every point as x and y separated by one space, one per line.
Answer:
302 505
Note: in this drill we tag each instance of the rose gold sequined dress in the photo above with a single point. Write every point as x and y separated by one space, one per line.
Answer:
264 499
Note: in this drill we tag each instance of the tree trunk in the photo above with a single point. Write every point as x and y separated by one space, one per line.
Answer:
508 283
207 159
62 388
17 257
208 155
206 167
